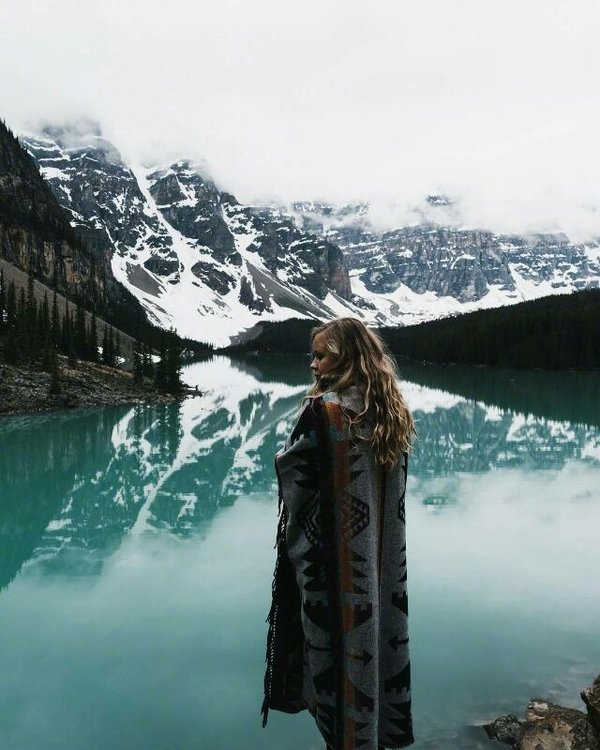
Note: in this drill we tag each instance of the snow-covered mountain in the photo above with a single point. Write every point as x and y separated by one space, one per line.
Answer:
201 262
196 259
434 267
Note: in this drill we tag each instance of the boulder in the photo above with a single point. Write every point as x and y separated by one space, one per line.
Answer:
548 726
591 698
505 728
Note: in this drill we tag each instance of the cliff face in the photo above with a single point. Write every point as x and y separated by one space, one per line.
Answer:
37 236
451 262
35 233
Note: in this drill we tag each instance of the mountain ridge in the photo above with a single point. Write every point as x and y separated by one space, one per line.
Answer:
200 261
173 228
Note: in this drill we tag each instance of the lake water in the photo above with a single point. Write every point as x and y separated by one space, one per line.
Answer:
136 553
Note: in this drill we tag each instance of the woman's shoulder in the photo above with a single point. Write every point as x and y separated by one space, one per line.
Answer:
350 401
328 402
339 408
329 397
325 406
352 397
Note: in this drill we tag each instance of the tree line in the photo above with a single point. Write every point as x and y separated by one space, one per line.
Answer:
559 332
34 333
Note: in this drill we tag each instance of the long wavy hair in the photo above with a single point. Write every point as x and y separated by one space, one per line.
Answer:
361 359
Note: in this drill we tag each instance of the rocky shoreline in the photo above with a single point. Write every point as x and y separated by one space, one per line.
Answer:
24 390
548 726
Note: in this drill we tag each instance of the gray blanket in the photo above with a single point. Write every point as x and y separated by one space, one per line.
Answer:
338 638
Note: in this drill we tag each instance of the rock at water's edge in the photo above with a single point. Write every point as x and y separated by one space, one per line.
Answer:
548 726
505 728
591 698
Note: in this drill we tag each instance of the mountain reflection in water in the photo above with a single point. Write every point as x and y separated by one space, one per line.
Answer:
83 479
171 510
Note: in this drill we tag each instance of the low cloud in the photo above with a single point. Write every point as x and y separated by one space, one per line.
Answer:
492 104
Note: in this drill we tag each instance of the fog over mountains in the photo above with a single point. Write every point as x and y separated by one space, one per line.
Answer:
212 268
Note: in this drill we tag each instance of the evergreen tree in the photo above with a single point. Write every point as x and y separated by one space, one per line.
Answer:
12 349
93 339
2 301
111 348
44 334
22 337
148 365
45 317
105 345
80 337
55 324
39 331
138 365
65 333
160 370
11 305
66 337
173 369
30 328
118 349
54 387
72 357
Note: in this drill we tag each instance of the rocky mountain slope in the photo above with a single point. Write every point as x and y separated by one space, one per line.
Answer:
194 257
435 267
36 236
212 268
35 233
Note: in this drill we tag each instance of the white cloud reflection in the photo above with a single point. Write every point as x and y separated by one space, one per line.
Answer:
518 539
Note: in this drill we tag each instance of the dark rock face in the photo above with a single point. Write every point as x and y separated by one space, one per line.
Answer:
100 192
162 266
432 259
591 698
271 237
312 263
219 280
248 298
195 207
192 205
461 263
35 233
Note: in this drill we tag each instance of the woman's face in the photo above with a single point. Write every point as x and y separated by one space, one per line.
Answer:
323 361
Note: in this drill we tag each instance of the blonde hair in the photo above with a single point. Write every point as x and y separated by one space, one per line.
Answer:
361 359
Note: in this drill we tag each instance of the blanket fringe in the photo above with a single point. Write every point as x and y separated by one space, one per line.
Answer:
272 620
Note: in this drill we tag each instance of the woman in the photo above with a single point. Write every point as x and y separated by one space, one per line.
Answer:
338 639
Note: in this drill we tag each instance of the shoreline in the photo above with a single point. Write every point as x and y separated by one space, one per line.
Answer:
24 390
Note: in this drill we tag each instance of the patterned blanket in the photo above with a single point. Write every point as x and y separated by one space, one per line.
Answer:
338 641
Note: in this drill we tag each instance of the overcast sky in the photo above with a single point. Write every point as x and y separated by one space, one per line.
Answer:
493 102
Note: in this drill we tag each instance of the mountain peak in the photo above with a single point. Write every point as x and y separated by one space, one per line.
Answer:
212 268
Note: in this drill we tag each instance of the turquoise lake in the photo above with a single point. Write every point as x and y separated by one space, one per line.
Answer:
136 555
